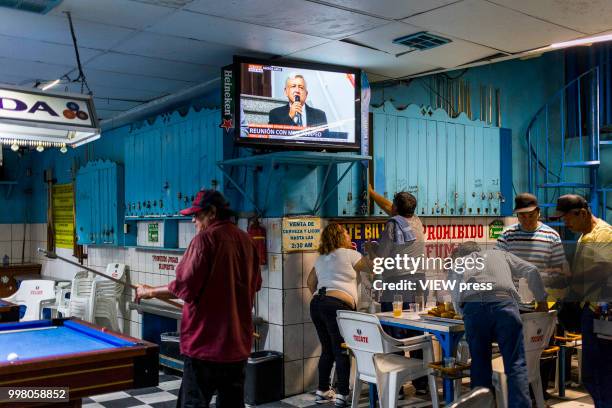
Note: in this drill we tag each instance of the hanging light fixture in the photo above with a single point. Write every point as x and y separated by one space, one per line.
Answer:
32 115
14 146
63 149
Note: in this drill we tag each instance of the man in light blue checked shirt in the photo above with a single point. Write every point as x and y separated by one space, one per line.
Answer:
493 315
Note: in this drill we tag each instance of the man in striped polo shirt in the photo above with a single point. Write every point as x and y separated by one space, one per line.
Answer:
536 243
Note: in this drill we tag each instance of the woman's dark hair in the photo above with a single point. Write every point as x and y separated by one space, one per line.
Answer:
405 203
332 238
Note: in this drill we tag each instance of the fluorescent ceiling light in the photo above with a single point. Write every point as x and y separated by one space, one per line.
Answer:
50 85
583 41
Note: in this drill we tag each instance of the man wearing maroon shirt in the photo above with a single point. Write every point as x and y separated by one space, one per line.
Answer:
217 278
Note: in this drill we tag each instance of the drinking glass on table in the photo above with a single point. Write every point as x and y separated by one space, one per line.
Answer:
420 303
449 362
398 303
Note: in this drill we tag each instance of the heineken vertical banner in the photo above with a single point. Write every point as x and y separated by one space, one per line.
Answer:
227 98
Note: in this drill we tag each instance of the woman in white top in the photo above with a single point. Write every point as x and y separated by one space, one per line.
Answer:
334 278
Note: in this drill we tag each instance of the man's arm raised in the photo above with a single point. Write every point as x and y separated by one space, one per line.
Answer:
385 204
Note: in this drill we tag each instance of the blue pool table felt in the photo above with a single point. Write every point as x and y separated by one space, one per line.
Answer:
41 339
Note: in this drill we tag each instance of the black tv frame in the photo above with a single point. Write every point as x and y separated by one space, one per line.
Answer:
276 144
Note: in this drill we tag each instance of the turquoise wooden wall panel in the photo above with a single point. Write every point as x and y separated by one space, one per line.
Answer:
451 165
168 161
99 203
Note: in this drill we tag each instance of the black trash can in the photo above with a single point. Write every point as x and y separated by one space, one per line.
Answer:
264 377
170 345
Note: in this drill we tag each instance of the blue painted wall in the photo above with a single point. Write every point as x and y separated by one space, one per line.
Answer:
13 199
28 201
525 86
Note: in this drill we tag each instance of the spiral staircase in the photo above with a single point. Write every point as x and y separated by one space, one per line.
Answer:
569 143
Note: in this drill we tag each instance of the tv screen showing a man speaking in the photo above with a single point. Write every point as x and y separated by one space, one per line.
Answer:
296 105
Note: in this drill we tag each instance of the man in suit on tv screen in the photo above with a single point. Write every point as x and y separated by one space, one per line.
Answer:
296 112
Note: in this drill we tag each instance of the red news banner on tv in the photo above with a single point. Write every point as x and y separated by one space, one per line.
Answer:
285 131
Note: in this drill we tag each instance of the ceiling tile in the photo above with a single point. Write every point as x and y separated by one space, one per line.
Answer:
56 29
133 14
373 61
376 78
492 25
31 69
450 55
132 64
290 15
179 49
106 104
586 16
392 9
33 50
134 81
17 80
248 36
110 92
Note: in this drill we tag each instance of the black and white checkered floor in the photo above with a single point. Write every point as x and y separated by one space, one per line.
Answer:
162 396
165 395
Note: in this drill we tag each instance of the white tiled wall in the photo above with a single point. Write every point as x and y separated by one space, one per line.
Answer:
12 242
186 232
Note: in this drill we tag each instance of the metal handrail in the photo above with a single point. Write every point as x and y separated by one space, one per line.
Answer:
535 164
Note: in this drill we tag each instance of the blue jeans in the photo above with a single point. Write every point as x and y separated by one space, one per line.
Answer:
485 323
596 362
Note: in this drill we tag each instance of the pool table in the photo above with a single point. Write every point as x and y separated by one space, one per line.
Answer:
72 353
9 312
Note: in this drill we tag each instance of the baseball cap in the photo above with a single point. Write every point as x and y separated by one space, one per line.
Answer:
204 198
525 202
567 203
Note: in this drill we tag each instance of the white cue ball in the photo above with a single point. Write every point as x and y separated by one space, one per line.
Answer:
12 357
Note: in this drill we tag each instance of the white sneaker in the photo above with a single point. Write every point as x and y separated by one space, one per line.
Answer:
323 397
341 401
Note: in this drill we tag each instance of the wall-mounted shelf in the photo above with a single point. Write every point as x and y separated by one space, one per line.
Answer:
150 248
296 158
141 231
152 218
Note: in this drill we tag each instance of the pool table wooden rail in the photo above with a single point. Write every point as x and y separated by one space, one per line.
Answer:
88 373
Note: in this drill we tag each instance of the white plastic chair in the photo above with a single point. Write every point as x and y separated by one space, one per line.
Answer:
32 294
537 330
80 291
105 294
479 397
372 348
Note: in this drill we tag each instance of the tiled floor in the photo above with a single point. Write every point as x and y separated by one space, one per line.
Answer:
165 395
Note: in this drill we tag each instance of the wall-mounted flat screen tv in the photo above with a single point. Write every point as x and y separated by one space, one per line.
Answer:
282 104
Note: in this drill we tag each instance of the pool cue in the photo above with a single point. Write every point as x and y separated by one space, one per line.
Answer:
53 255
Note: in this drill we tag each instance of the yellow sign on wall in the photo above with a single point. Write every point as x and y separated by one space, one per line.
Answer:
301 234
63 215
